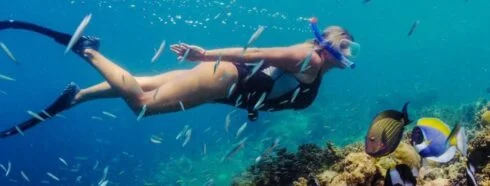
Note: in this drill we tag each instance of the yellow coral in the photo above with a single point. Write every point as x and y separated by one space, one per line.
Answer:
358 168
404 154
485 118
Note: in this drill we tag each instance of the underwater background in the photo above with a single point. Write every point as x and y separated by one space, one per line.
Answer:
445 61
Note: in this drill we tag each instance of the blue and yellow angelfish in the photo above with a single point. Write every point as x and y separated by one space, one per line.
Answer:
434 140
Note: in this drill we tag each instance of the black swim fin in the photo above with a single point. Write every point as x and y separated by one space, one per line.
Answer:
62 103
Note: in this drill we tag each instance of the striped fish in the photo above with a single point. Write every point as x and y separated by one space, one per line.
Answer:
386 132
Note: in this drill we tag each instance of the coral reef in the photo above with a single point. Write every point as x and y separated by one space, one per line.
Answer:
284 167
351 166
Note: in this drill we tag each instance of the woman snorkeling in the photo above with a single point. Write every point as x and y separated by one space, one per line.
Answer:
258 79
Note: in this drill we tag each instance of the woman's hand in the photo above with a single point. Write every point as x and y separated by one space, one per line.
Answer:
196 53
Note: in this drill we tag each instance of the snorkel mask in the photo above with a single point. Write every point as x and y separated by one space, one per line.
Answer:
353 47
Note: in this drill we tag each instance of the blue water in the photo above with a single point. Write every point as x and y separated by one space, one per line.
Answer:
445 61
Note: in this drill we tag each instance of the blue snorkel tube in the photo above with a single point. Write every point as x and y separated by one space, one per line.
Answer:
327 45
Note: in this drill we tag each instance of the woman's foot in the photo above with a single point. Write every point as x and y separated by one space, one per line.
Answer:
66 100
86 42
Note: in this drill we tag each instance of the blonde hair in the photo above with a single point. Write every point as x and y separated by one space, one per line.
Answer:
335 34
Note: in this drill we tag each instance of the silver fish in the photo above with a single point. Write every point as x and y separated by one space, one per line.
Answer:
95 165
255 69
96 118
238 101
37 116
46 113
188 135
228 120
3 92
156 93
4 77
25 176
235 150
9 166
260 101
253 38
182 132
104 176
104 183
241 129
232 88
79 178
295 94
52 176
185 55
305 65
78 32
156 140
204 149
158 52
8 52
19 130
142 113
181 106
63 161
268 150
218 61
109 114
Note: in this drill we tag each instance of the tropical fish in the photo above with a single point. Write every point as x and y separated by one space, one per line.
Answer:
78 32
238 100
255 69
24 176
412 29
52 176
4 77
260 101
235 150
385 132
218 61
63 161
109 114
435 141
142 113
158 52
401 175
241 129
253 38
8 52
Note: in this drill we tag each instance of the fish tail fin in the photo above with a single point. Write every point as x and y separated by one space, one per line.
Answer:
405 113
470 170
458 138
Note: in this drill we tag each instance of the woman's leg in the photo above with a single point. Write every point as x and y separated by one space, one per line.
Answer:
104 90
192 87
